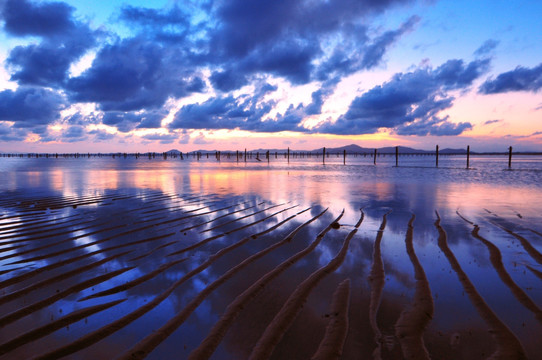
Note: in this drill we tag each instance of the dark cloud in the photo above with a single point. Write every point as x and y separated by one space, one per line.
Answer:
358 52
151 119
409 103
248 25
283 38
74 133
227 112
215 113
23 18
519 79
64 40
101 135
244 113
315 107
82 119
289 121
154 17
48 63
227 80
127 121
30 106
134 74
453 74
487 47
291 59
9 133
168 25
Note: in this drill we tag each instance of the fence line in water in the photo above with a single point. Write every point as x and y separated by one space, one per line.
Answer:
249 155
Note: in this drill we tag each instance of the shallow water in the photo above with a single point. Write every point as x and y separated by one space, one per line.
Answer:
71 228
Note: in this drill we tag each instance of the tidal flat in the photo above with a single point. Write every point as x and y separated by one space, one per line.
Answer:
169 258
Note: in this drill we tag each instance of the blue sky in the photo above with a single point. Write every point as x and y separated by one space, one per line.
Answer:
156 75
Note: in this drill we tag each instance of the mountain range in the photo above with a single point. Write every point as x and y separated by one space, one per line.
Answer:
350 149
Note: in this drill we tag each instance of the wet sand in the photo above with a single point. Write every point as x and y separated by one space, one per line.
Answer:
141 273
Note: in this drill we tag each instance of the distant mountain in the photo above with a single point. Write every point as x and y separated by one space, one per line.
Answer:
391 150
353 148
350 149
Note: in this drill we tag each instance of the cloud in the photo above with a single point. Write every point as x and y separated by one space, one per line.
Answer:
134 74
152 119
315 107
227 80
243 112
9 133
453 74
375 52
101 135
24 18
489 122
215 113
184 138
247 25
201 140
63 41
409 103
74 133
48 63
487 47
82 119
163 138
519 79
30 106
168 25
127 121
284 39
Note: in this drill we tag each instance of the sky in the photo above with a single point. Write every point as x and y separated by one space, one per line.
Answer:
127 76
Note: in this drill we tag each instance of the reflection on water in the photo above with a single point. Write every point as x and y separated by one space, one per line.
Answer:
92 245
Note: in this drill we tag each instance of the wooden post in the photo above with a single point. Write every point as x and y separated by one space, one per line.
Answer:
288 155
324 156
468 156
374 158
344 157
397 156
267 156
510 157
437 156
245 154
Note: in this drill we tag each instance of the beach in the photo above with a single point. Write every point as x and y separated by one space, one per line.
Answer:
143 258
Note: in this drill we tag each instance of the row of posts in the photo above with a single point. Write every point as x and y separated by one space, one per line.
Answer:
218 155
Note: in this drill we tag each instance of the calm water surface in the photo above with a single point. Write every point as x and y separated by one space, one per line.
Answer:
71 228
